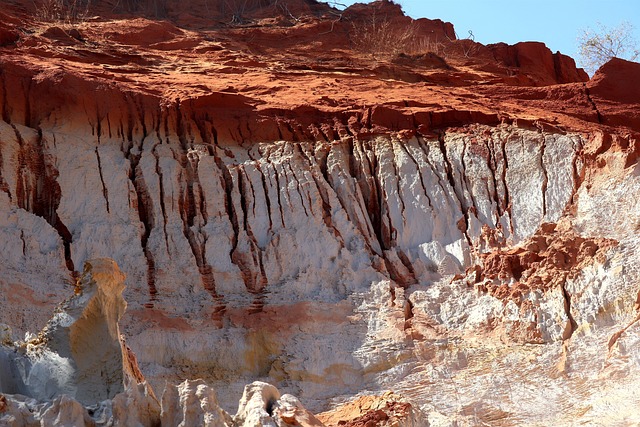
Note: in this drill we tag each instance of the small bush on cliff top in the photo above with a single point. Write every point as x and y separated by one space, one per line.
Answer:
237 10
600 45
378 36
68 11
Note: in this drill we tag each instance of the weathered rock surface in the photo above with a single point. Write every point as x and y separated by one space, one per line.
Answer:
457 225
192 403
388 409
78 363
79 372
262 405
79 353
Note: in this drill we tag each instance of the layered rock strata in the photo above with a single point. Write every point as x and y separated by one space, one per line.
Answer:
246 227
79 372
78 369
79 353
459 230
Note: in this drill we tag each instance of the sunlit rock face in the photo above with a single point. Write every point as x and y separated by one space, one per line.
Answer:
327 267
78 371
264 248
79 352
283 210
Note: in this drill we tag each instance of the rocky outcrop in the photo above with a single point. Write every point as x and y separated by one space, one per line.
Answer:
189 404
387 409
78 369
262 405
192 403
79 353
447 223
79 372
613 85
538 63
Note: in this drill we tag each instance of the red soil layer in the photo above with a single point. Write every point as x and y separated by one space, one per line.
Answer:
369 411
545 261
288 73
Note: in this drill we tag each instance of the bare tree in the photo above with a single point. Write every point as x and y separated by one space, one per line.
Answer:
599 45
336 4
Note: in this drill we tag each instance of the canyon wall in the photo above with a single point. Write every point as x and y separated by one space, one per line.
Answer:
463 235
324 267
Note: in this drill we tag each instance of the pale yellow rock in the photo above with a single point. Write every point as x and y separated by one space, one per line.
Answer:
192 403
66 412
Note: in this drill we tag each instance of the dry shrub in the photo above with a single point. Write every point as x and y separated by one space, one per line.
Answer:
67 11
428 44
379 37
150 8
237 10
599 45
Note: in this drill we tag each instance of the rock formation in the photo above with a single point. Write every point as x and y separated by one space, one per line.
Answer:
452 221
78 359
79 372
79 352
388 409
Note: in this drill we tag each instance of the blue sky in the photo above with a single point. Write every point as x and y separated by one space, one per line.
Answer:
556 23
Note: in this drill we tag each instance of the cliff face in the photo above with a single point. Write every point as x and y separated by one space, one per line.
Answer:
458 228
78 353
80 358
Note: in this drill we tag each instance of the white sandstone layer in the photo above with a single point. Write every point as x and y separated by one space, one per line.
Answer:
328 268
